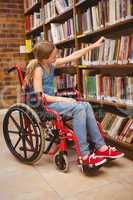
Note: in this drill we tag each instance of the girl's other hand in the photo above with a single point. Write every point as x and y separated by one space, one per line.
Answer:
68 100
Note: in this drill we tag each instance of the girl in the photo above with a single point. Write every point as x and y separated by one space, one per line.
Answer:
84 122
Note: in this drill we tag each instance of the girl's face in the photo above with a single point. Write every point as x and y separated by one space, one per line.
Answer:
53 56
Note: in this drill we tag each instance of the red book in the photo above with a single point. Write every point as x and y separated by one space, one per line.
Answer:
27 21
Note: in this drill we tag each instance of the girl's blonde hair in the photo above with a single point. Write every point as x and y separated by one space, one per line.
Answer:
41 50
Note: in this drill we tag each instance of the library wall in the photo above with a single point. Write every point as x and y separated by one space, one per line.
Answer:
11 37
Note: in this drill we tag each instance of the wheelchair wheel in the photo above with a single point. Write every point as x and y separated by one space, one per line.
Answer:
23 134
61 161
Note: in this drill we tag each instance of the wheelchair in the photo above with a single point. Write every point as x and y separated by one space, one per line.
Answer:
31 129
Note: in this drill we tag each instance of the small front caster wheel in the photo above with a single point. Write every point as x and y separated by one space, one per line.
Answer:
61 161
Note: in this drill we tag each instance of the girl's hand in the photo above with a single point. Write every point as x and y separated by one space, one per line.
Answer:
99 42
68 100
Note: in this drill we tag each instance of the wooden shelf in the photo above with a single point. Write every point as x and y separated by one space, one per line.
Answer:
108 66
127 23
120 144
65 42
33 8
67 70
35 31
68 13
107 70
114 104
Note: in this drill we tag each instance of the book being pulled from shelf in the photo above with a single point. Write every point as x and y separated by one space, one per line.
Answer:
118 51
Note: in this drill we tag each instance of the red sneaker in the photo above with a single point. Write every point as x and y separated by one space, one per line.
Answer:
111 152
93 161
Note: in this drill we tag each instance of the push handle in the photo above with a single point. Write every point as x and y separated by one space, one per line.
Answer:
19 70
11 69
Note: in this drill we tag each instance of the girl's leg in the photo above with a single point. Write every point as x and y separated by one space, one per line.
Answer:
79 121
92 128
102 149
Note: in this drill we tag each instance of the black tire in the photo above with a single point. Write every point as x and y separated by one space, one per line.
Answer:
23 134
61 161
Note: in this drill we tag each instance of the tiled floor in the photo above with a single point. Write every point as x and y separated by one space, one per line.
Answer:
44 182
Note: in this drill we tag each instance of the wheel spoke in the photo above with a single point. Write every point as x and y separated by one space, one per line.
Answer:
37 136
21 119
17 142
24 147
14 132
16 124
29 142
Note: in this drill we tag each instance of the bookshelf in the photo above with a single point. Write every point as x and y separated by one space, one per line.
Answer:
70 17
31 6
107 32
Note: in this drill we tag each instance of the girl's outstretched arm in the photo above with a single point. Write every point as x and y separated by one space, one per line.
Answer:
79 53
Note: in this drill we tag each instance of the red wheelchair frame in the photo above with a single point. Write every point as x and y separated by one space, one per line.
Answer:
65 134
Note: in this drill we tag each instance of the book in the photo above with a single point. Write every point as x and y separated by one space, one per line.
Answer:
61 6
128 137
91 86
113 131
131 50
125 129
28 46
